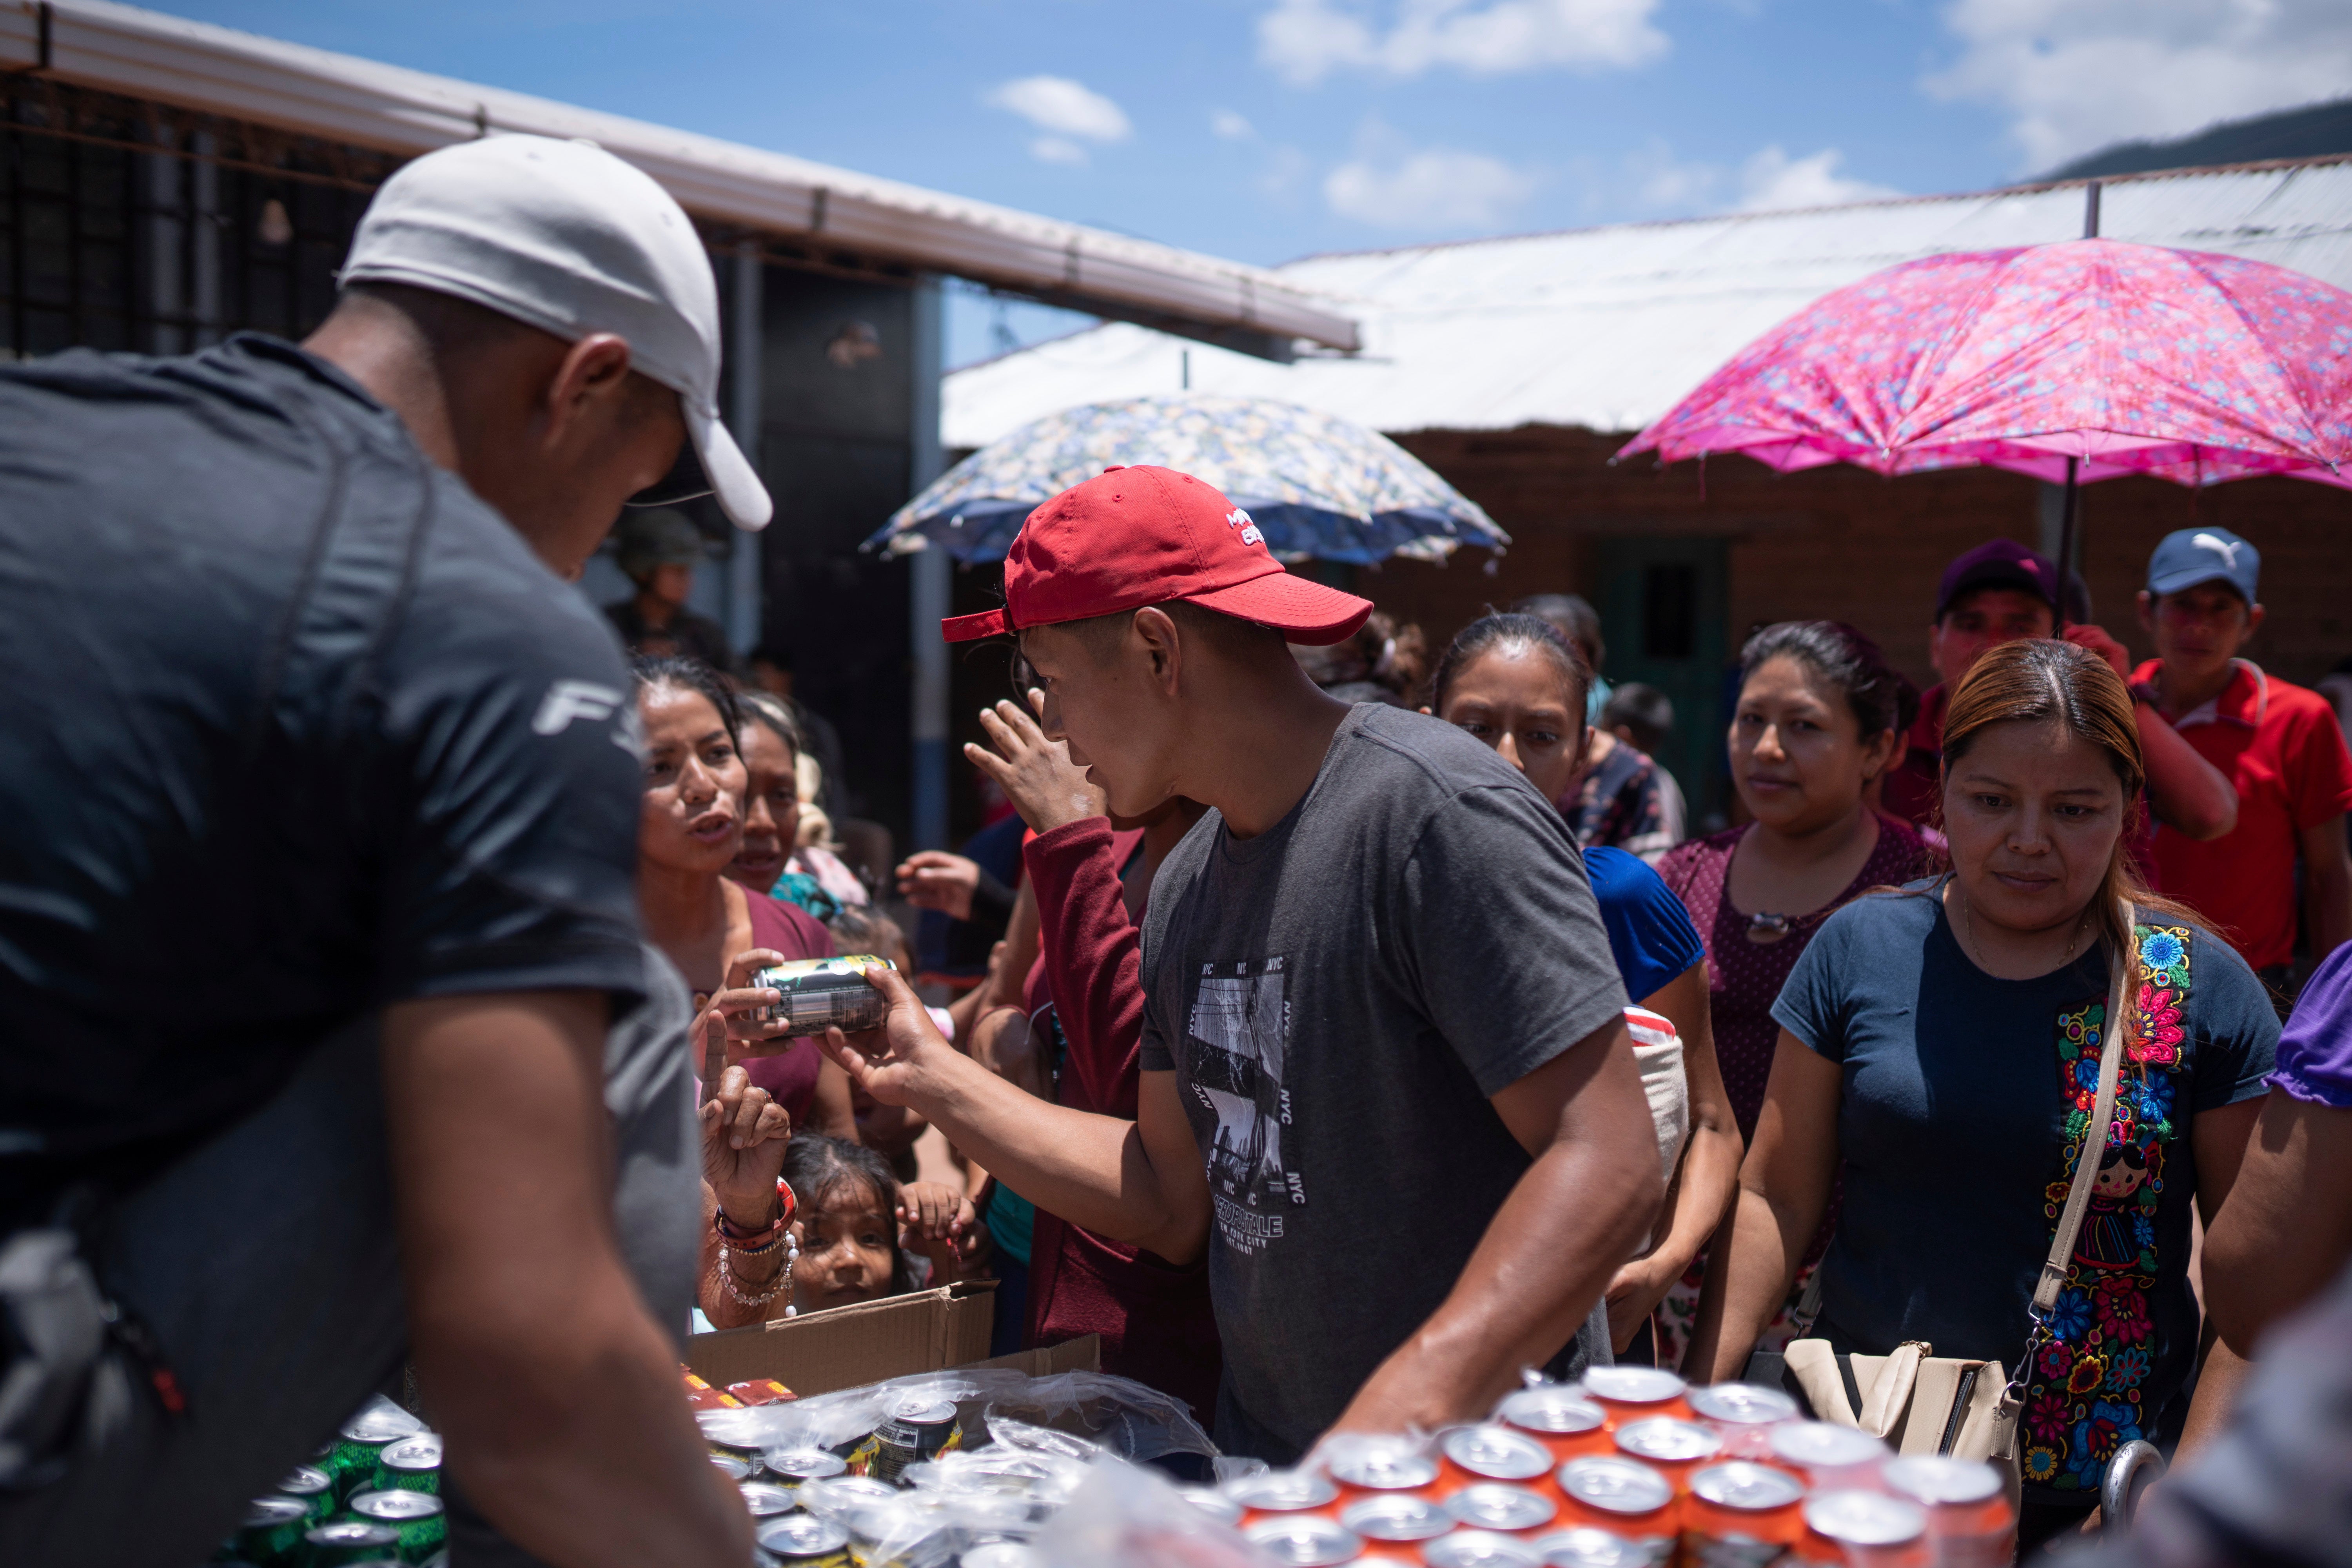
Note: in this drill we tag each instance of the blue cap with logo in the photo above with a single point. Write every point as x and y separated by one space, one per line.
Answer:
2195 555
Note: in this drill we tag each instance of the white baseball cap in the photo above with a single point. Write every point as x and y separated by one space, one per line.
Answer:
567 237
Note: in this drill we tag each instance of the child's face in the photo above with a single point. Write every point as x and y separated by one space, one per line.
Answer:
849 1239
1515 699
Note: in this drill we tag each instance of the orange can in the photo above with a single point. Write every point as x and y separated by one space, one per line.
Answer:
1468 1455
1282 1494
1744 1413
1741 1515
1373 1467
1970 1524
1829 1458
1585 1547
1501 1507
1631 1392
1674 1449
1864 1529
1559 1418
1393 1526
1624 1498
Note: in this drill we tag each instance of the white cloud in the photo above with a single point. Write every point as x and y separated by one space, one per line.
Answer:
1771 181
1661 180
1229 126
1306 40
2074 75
1433 188
1068 111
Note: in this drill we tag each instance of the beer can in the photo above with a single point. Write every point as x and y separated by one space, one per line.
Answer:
1213 1503
1970 1521
312 1487
1631 1392
1674 1449
1830 1459
345 1542
1864 1529
271 1535
1624 1496
1399 1516
1387 1465
1304 1540
1500 1507
415 1518
1480 1549
1278 1492
411 1465
738 1470
765 1499
788 1467
363 1441
1559 1418
820 994
1491 1453
804 1541
915 1431
1586 1547
1741 1515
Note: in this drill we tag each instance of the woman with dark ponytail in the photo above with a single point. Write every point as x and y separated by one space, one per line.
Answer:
1939 1047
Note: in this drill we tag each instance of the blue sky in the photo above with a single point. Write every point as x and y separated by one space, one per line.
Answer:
1264 129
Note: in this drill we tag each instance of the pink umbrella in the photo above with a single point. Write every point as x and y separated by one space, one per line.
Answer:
2072 362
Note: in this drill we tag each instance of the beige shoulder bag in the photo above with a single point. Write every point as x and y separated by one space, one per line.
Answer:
1921 1402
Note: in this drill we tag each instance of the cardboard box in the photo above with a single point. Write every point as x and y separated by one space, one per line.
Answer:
899 1336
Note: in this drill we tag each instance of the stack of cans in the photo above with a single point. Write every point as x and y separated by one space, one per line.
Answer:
1630 1468
370 1499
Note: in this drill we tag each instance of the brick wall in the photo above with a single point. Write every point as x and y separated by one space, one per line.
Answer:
1842 544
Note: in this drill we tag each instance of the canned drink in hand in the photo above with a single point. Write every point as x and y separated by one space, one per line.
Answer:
820 994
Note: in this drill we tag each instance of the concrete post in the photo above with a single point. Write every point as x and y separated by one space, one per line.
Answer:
930 584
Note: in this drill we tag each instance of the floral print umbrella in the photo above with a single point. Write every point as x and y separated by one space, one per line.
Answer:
2078 360
1317 486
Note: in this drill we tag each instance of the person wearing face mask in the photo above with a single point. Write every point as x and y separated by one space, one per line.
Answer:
716 931
1939 1046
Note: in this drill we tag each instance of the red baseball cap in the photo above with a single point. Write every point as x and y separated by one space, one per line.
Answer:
1132 537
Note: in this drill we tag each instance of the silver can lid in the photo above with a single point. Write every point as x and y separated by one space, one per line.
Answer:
1818 1446
1497 1453
422 1452
1281 1492
1396 1518
1480 1549
1865 1519
803 1464
1743 1404
394 1505
1616 1486
264 1511
1740 1485
1632 1384
1387 1466
1934 1478
766 1499
1662 1440
383 1421
1493 1505
735 1469
1213 1503
1553 1407
802 1535
1305 1543
1585 1547
305 1480
925 1412
348 1532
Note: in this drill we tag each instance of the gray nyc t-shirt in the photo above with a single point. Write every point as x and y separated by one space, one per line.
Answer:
1339 996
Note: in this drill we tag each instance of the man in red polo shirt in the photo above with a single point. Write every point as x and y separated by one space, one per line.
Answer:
2001 591
2278 744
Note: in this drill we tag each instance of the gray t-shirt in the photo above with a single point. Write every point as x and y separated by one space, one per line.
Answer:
1339 997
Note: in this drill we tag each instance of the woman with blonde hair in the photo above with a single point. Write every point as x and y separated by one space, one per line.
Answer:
1940 1047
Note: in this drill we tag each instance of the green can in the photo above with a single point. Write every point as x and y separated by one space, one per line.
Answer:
411 1465
362 1442
271 1535
415 1518
310 1484
346 1543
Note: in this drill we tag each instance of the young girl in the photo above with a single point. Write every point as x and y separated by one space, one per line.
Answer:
862 1236
1939 1047
1517 684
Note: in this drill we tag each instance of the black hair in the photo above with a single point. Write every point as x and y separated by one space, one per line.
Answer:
1843 656
1575 617
1491 632
815 1164
862 927
770 653
771 714
1644 709
687 674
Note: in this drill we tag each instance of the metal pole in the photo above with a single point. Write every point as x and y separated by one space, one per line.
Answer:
2091 210
2066 541
746 368
930 582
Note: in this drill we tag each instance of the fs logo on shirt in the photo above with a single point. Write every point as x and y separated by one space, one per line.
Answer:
569 700
1239 518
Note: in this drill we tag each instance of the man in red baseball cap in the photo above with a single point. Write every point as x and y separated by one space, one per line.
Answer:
1386 1082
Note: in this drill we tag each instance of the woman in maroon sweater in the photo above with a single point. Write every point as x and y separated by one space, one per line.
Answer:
1085 999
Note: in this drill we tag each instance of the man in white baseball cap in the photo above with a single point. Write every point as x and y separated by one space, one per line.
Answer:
332 1037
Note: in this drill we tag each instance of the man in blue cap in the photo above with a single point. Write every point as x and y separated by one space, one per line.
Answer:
2278 744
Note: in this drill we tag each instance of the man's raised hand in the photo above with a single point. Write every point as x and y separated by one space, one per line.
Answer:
1036 775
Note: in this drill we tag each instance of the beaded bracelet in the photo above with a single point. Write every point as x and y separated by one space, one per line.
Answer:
779 1233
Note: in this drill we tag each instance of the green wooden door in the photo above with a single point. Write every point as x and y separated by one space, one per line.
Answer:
1665 605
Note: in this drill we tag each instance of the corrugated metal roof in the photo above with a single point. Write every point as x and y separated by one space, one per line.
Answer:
1607 328
219 71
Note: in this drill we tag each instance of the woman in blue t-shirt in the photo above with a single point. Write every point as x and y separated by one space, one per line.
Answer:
1517 684
1941 1046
